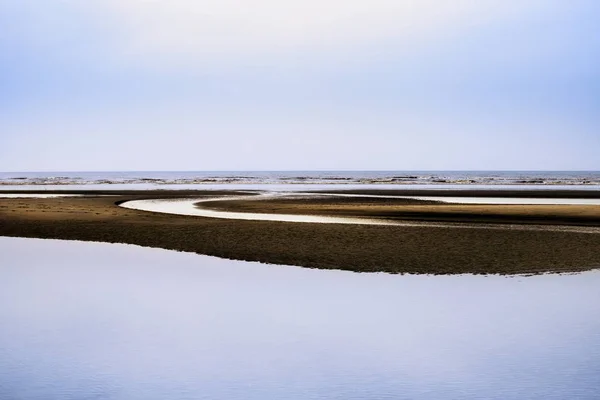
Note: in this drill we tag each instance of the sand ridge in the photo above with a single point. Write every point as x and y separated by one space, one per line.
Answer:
394 249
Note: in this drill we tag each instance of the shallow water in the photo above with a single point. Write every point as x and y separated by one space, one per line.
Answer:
277 187
88 320
34 195
507 200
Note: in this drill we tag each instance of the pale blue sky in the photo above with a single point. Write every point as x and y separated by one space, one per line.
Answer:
283 85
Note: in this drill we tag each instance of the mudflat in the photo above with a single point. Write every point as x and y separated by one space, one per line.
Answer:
480 239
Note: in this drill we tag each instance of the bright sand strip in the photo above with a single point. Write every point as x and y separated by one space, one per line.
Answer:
34 195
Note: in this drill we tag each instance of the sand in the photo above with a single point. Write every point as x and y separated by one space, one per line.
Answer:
416 210
362 248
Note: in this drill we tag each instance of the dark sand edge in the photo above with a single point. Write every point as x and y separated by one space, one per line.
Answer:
394 249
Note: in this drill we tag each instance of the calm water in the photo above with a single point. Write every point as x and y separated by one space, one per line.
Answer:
34 196
99 321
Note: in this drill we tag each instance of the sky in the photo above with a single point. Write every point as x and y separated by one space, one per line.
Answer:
299 85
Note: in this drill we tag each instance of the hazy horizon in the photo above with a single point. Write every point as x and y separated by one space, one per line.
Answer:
314 170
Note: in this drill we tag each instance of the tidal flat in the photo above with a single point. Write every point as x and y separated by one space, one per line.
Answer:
473 239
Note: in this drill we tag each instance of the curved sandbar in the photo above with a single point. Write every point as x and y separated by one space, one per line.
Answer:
194 207
419 248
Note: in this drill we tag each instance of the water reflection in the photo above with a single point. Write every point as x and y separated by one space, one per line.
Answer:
82 320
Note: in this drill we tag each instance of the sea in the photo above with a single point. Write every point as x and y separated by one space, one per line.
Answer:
294 180
106 321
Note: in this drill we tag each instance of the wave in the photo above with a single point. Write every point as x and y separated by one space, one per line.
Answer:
542 179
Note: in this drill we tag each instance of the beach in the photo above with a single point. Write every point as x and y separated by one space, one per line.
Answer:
475 239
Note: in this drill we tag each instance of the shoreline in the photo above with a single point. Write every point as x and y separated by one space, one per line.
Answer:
360 248
542 192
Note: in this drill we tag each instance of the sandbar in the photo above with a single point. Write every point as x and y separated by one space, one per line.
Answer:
361 248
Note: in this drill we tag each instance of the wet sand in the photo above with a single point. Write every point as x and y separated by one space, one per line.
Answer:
415 210
363 248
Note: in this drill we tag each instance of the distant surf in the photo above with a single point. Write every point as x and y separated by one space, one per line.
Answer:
585 179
